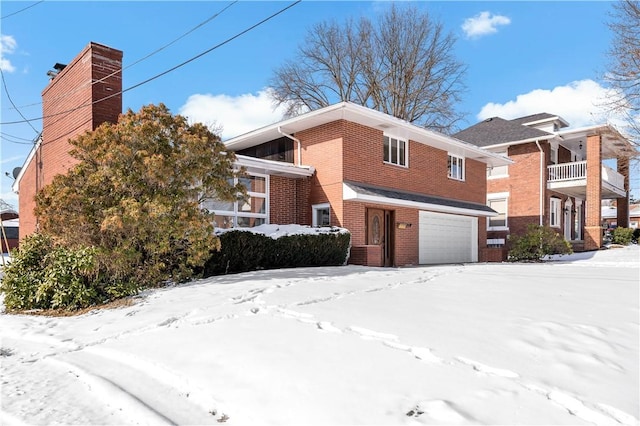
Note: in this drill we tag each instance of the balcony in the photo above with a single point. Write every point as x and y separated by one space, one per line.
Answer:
571 179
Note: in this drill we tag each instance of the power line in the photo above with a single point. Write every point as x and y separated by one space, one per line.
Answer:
206 21
4 83
5 138
193 58
14 137
22 10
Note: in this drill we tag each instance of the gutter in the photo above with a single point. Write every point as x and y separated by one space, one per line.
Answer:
542 179
295 140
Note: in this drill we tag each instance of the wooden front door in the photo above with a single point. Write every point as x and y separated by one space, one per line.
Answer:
380 233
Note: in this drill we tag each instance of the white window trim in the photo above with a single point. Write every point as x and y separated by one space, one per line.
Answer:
499 196
236 212
315 208
555 206
462 159
406 151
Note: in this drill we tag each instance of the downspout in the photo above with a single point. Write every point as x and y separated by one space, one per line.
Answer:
542 179
296 140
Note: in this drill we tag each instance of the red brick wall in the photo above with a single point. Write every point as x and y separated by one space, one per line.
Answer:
68 111
426 174
523 186
289 200
322 148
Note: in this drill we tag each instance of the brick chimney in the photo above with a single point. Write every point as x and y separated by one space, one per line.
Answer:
79 97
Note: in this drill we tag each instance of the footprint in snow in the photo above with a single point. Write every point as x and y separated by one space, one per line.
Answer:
443 412
372 335
492 371
328 327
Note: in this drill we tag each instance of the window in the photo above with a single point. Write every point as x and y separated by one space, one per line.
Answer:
498 171
245 213
554 212
321 215
395 151
455 167
11 232
495 242
554 154
500 206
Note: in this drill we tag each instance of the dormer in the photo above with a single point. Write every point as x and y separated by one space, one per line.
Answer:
543 121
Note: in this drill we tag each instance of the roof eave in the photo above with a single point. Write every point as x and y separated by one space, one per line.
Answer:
374 119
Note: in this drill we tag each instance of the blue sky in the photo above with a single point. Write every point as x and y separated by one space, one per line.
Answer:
522 57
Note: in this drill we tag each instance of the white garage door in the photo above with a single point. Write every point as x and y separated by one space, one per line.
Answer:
447 238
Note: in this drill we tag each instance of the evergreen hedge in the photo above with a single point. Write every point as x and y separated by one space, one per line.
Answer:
536 243
243 251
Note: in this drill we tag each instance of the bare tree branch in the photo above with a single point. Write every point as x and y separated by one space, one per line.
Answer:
623 73
401 65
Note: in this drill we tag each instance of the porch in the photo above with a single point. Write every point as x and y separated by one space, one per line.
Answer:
571 179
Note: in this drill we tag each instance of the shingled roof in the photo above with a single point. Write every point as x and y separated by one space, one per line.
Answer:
496 130
536 117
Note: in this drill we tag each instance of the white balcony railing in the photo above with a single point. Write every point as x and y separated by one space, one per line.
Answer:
578 171
567 171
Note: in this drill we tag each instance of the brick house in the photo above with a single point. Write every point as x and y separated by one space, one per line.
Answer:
408 195
79 97
559 176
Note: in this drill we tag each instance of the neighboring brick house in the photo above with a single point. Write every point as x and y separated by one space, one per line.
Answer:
408 195
79 97
559 176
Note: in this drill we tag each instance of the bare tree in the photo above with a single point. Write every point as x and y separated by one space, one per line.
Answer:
402 65
624 67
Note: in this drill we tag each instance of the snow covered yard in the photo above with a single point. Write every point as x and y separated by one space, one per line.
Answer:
552 343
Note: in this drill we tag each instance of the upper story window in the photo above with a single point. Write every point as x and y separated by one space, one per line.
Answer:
455 167
395 151
498 171
554 153
277 150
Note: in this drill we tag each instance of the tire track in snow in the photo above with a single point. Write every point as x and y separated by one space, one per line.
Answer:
134 410
130 378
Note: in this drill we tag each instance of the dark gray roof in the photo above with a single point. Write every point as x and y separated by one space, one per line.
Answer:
533 117
395 194
496 130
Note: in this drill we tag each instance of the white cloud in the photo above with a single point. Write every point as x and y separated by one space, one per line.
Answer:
7 45
581 103
236 115
483 23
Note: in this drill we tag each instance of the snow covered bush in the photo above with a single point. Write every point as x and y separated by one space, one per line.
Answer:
278 246
622 236
46 275
536 243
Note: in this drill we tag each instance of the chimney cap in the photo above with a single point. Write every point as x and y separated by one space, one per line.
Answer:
59 67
